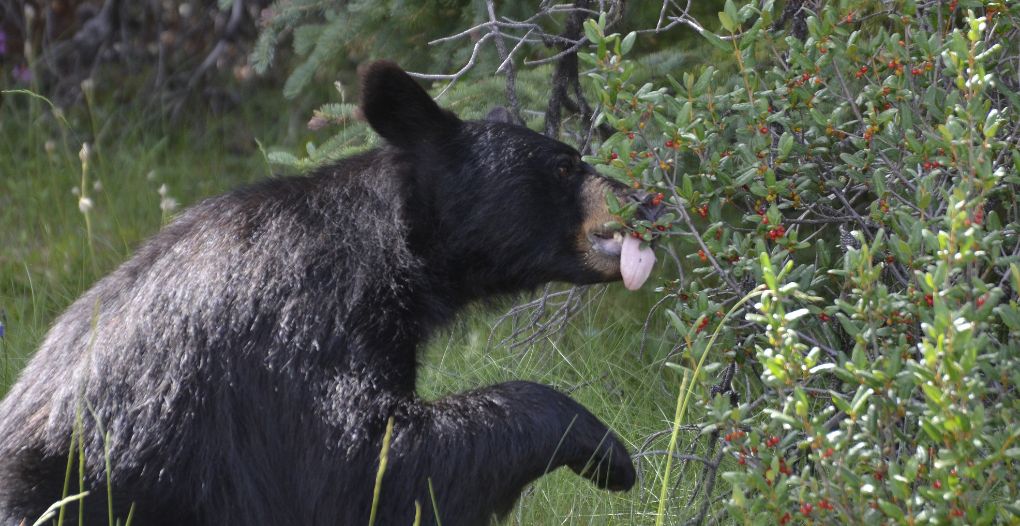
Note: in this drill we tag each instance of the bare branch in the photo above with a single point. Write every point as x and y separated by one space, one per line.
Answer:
507 64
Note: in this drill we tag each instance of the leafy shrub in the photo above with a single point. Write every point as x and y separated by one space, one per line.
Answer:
865 174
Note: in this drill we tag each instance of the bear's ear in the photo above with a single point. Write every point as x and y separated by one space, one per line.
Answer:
500 114
398 108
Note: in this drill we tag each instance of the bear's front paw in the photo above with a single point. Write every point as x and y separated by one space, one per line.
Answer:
607 465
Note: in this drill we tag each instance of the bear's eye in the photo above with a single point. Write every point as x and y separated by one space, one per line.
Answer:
566 166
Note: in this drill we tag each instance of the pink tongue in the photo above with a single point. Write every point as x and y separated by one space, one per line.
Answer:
635 263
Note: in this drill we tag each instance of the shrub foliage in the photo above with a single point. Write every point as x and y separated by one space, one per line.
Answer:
856 174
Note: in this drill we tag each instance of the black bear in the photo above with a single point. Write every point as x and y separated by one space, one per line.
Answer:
242 366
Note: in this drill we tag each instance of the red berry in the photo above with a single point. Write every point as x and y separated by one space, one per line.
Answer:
916 71
929 300
786 518
937 484
956 512
806 509
763 130
660 228
657 199
630 136
824 317
702 256
613 156
980 302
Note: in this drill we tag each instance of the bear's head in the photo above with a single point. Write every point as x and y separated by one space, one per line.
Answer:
492 207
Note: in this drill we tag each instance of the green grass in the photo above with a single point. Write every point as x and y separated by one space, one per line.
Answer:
47 260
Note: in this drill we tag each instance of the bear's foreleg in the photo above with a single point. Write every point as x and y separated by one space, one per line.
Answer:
476 451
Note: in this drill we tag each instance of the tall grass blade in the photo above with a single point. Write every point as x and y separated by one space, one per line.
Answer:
59 505
686 389
435 507
383 457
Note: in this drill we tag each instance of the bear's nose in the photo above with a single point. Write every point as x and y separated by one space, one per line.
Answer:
648 208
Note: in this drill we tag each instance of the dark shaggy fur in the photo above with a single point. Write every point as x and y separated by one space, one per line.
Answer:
241 367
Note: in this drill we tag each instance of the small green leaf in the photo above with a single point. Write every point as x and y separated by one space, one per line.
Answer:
1008 314
716 41
890 509
860 399
627 43
592 31
728 23
730 9
785 144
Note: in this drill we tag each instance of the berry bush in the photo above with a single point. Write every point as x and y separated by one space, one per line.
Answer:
843 226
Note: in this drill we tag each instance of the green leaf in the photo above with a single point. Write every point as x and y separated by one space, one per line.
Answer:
847 325
840 404
716 41
283 158
852 160
1009 315
731 11
782 417
728 23
785 144
792 316
677 323
879 182
627 43
861 398
592 31
612 201
890 509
